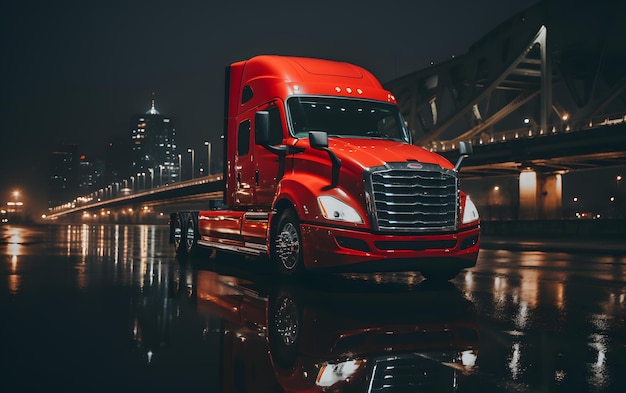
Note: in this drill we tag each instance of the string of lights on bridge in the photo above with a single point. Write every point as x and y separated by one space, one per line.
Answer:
528 131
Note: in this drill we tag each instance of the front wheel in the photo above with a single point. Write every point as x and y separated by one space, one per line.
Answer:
284 329
287 245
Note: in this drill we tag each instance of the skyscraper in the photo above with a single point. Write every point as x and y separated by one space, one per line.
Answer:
63 174
154 158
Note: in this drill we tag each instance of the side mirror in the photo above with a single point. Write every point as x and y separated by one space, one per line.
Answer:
262 134
262 128
465 149
318 139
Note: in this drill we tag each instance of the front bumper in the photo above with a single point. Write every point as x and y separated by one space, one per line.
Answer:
355 251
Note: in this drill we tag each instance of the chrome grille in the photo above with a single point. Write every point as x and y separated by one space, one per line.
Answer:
413 373
413 197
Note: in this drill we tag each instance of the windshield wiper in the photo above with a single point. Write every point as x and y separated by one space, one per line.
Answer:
377 134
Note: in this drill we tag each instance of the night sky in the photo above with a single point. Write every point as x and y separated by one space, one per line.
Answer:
77 71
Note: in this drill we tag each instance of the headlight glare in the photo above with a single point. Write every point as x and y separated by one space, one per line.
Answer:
470 213
334 209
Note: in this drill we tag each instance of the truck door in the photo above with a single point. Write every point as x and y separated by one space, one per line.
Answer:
243 164
268 166
257 170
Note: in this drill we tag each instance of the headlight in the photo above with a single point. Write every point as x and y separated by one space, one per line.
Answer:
330 374
468 358
470 213
334 209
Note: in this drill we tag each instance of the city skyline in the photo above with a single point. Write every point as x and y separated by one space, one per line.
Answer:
77 72
148 150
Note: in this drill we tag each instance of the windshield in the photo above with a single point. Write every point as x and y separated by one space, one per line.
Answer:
346 118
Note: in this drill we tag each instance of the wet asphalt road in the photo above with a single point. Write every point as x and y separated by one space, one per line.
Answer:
109 308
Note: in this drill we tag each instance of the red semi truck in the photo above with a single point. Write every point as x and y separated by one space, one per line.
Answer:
320 173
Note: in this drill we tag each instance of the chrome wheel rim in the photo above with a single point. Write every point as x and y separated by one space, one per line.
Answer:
177 236
288 246
286 321
190 237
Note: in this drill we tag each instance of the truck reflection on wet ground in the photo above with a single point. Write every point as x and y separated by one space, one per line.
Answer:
90 307
341 333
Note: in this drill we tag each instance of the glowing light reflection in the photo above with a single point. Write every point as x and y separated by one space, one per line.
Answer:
14 282
598 374
499 292
515 361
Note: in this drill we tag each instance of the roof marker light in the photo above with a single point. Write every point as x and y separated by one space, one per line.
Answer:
349 90
359 91
338 89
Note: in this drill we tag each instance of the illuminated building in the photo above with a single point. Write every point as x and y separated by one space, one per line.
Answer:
90 174
154 155
63 175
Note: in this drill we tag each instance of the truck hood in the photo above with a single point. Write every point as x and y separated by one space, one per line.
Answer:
368 153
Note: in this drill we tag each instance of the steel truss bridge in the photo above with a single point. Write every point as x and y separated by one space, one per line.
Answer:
552 75
545 90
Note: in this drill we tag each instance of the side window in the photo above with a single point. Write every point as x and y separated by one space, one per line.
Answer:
246 95
276 128
243 138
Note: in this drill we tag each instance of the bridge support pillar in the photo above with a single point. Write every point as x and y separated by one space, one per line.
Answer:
540 196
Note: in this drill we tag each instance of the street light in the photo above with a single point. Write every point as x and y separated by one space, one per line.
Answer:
208 163
151 170
180 167
190 150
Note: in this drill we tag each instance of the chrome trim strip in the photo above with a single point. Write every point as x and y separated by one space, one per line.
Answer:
249 248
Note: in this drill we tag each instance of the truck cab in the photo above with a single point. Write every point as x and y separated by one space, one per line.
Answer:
321 174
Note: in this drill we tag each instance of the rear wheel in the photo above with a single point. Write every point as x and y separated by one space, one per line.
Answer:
179 236
185 234
287 245
190 235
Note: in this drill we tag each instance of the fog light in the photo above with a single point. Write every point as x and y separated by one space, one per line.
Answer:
469 242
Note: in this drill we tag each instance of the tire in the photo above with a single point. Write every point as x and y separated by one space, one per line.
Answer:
284 330
440 275
191 238
185 235
179 237
286 253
